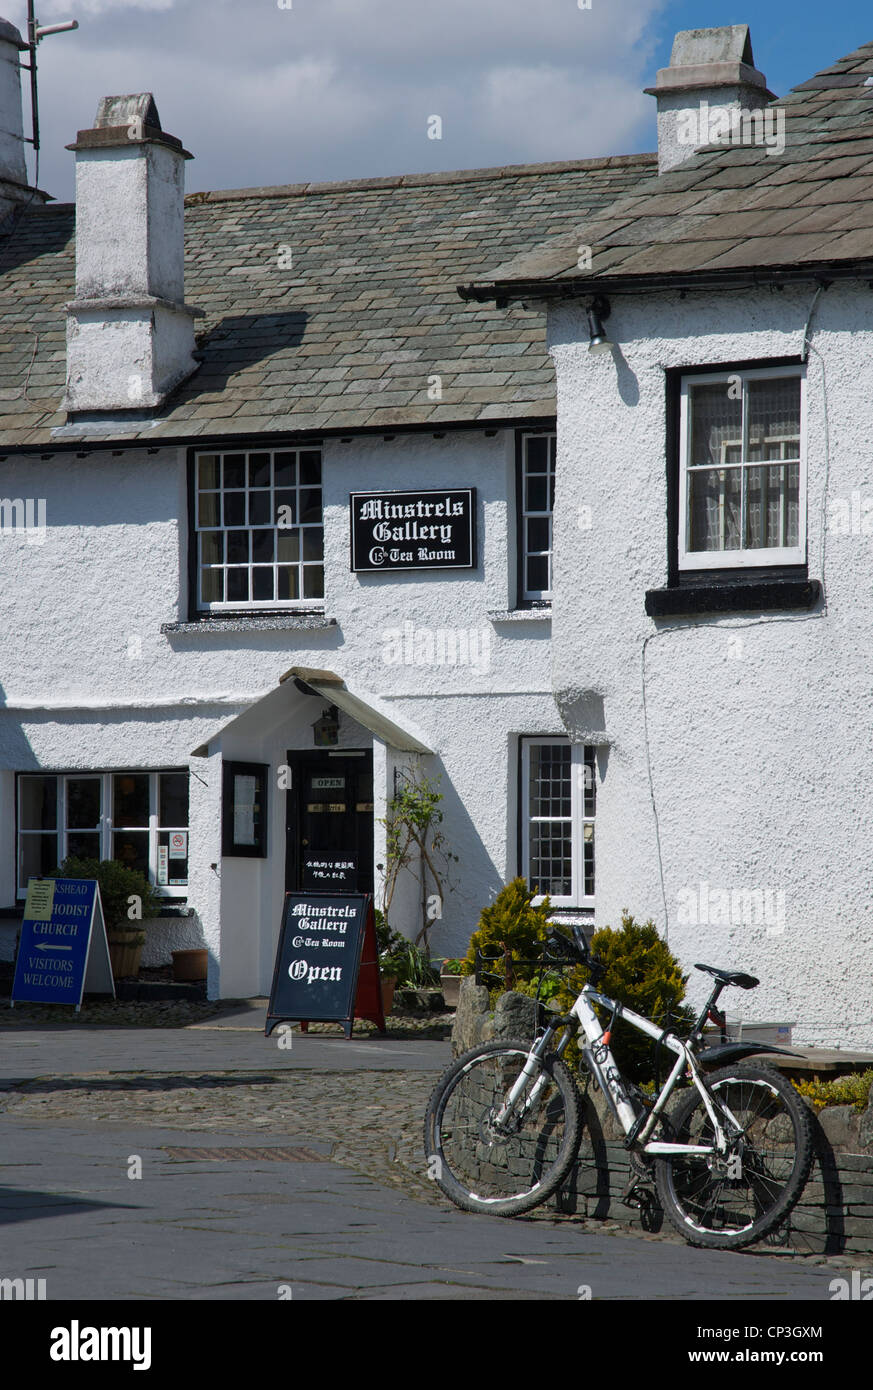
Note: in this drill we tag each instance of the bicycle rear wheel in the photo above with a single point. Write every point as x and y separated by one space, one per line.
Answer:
508 1168
728 1201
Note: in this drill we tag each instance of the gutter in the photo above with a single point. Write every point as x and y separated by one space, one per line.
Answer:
506 291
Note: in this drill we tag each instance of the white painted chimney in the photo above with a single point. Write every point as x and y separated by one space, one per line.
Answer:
130 335
13 173
711 70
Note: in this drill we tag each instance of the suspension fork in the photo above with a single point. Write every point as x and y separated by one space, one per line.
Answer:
532 1067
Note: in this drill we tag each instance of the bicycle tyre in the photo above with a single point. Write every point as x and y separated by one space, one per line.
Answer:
706 1205
472 1157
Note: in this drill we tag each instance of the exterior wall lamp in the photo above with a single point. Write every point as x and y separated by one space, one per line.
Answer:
598 310
325 731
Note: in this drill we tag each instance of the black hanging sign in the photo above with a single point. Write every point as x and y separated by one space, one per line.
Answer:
423 530
327 964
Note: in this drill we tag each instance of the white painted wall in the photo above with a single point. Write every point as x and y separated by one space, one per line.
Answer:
760 728
89 681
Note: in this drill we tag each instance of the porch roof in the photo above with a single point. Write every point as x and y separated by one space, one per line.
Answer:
366 709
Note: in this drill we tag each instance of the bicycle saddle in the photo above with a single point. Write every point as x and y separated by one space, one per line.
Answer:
730 977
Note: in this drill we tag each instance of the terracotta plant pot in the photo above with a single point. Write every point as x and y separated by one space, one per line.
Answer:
389 984
190 965
125 951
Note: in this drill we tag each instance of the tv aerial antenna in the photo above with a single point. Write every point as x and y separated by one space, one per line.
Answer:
35 33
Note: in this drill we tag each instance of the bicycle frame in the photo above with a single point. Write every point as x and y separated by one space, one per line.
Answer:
602 1065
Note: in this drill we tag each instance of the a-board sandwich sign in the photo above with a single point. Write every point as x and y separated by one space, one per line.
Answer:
327 967
62 950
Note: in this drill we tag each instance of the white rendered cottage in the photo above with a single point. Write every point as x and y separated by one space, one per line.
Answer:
713 591
198 674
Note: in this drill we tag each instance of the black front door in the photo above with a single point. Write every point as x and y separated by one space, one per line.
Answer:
329 825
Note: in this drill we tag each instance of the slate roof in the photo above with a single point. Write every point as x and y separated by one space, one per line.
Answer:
348 335
732 210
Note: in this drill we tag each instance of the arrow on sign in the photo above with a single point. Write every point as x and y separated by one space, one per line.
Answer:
54 949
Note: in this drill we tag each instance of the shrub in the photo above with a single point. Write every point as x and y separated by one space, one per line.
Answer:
117 885
642 973
511 924
853 1089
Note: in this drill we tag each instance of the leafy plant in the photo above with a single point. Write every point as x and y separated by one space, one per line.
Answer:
413 835
643 973
511 932
117 885
409 965
453 965
853 1089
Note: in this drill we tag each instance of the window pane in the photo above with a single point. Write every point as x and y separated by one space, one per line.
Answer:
774 418
173 800
262 546
716 424
262 583
234 509
539 533
237 586
286 509
537 454
130 799
82 846
259 470
537 574
288 545
207 514
131 848
550 780
589 771
714 501
237 547
537 493
286 470
260 509
310 504
37 856
234 470
772 508
313 581
38 803
288 582
212 547
310 467
313 545
177 866
83 803
212 586
588 858
551 865
208 471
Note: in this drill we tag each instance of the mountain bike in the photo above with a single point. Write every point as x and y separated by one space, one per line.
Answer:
504 1122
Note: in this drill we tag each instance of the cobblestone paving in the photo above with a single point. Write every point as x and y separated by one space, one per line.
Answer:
372 1119
132 1013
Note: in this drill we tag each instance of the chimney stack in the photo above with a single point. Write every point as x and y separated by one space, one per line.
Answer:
130 335
711 70
13 173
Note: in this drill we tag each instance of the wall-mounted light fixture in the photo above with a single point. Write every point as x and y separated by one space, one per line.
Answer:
598 310
325 731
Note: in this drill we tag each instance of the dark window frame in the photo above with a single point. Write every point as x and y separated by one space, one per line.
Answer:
226 444
230 848
520 436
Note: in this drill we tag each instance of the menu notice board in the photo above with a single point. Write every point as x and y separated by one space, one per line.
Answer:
326 872
62 948
327 962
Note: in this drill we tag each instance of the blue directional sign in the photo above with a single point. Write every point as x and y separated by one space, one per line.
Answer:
62 948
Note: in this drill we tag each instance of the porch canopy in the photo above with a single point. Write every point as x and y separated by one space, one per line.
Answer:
367 710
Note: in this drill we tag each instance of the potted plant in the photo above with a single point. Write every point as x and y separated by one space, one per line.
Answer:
401 963
118 885
451 972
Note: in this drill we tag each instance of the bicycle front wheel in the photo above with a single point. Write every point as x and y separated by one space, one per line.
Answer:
502 1165
731 1200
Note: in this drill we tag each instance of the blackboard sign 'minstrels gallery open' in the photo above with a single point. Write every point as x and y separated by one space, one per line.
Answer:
414 530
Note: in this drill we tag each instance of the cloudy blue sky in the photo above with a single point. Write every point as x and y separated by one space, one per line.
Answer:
330 89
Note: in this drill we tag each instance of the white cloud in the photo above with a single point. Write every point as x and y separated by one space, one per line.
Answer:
343 88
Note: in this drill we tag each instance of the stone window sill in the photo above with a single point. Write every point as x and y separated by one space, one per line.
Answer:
241 622
761 596
522 615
